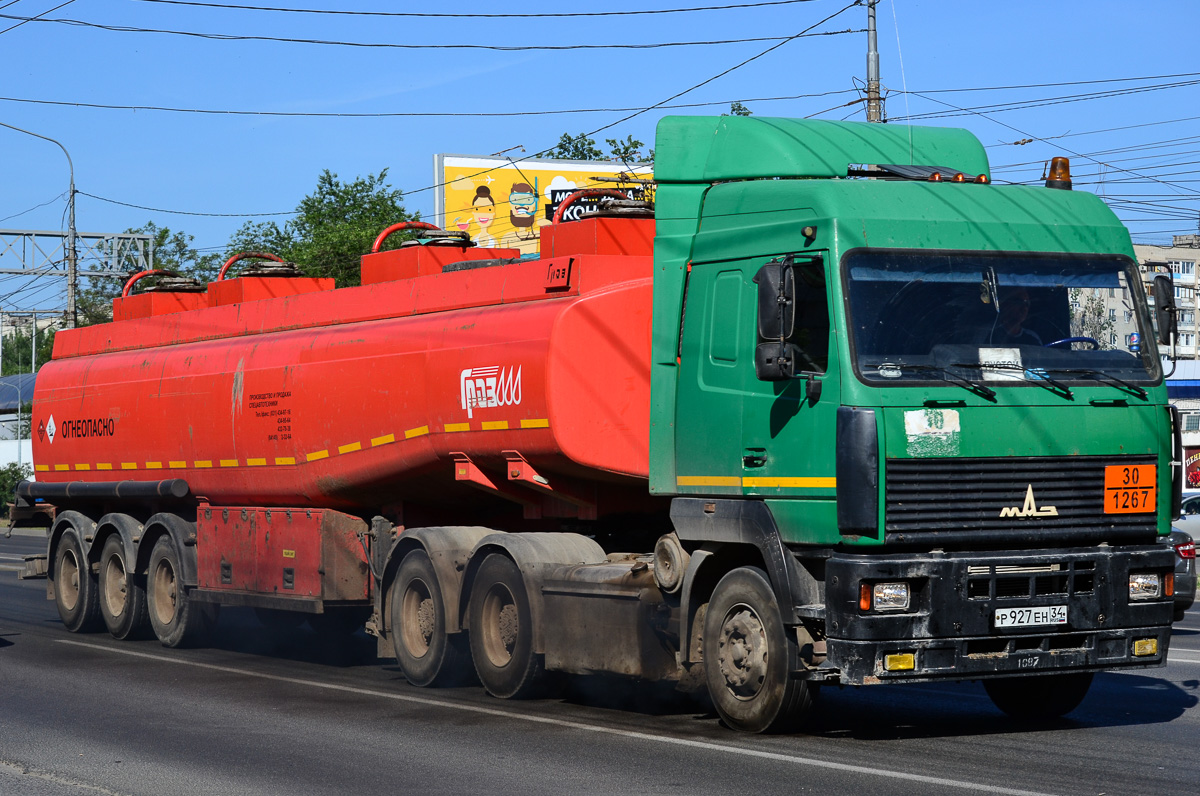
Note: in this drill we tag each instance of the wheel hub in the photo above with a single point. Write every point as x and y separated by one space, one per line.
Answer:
742 652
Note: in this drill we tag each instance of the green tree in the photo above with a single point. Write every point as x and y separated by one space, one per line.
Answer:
18 352
738 109
333 227
627 151
173 251
578 147
12 474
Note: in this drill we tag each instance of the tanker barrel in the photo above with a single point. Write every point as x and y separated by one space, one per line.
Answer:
168 488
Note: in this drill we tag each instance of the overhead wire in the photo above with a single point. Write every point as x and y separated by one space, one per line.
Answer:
436 15
35 207
24 20
401 46
183 212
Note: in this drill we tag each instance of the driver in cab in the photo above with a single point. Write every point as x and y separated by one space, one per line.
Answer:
1009 328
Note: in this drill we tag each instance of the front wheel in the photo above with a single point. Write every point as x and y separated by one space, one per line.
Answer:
749 657
502 630
426 653
1040 697
177 620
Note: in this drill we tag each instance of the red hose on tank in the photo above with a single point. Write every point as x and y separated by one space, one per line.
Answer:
142 275
396 228
246 256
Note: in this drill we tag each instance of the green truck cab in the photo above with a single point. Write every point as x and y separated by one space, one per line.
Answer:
878 369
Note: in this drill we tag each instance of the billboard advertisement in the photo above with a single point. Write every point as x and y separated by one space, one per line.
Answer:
503 202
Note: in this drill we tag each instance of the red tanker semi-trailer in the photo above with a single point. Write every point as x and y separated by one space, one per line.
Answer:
231 445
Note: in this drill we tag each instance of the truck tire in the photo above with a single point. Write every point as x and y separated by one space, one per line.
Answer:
426 653
749 657
177 620
1041 697
122 594
75 589
502 630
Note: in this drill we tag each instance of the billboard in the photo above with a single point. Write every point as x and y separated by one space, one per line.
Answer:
503 203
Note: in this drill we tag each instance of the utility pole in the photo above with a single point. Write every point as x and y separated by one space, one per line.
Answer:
72 254
874 101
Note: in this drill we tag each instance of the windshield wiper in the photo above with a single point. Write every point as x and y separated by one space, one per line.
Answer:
1100 374
952 378
1039 375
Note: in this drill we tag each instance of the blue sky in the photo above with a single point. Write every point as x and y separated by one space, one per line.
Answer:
219 163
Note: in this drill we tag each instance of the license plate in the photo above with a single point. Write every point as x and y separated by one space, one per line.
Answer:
1036 615
1130 488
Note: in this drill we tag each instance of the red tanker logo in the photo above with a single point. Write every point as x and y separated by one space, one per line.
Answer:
482 388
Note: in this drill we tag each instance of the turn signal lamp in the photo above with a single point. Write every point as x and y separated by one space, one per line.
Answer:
901 662
1169 585
1145 646
1060 174
1144 585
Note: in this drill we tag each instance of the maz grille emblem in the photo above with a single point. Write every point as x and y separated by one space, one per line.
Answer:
1030 509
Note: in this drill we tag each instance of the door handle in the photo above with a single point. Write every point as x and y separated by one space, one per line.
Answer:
754 457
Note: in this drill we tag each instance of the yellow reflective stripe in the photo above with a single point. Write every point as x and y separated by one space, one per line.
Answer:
128 465
312 457
708 480
42 468
229 462
177 465
451 428
103 466
203 464
535 423
284 460
794 483
255 462
153 465
83 467
384 440
495 425
351 448
419 431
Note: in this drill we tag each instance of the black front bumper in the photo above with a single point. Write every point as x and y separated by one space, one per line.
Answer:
949 627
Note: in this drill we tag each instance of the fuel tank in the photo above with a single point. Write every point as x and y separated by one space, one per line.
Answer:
525 380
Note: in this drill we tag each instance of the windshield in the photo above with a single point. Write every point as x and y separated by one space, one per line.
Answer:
1049 319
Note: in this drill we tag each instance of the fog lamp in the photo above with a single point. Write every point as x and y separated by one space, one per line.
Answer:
1144 585
899 662
1145 646
890 596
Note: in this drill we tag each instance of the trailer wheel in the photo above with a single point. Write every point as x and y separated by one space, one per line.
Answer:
502 630
122 595
1039 698
75 590
749 657
426 653
176 619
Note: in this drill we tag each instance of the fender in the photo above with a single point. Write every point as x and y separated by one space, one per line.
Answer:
538 556
449 548
741 522
128 528
83 526
182 532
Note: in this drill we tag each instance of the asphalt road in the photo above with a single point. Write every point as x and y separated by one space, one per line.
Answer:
275 712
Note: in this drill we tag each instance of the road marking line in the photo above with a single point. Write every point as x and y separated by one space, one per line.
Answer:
1180 659
578 725
12 567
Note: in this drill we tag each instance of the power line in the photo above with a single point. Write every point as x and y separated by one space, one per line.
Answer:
35 207
38 18
402 114
429 15
184 212
1037 103
398 46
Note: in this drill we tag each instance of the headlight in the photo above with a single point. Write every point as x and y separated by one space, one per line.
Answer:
1144 585
890 596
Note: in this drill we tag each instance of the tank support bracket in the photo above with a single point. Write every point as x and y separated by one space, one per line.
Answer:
466 470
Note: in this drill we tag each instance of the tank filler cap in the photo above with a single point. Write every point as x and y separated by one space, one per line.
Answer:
624 208
440 237
177 284
272 268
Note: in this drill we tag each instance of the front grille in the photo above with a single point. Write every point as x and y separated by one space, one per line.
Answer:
929 497
998 582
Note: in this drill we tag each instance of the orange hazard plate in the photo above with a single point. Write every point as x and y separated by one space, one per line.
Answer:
1130 488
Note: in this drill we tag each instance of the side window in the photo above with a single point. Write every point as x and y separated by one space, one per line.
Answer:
812 318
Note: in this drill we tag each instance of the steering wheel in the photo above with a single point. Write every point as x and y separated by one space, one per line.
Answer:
1068 340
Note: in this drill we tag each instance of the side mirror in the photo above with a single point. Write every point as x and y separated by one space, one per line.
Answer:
776 300
1164 308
